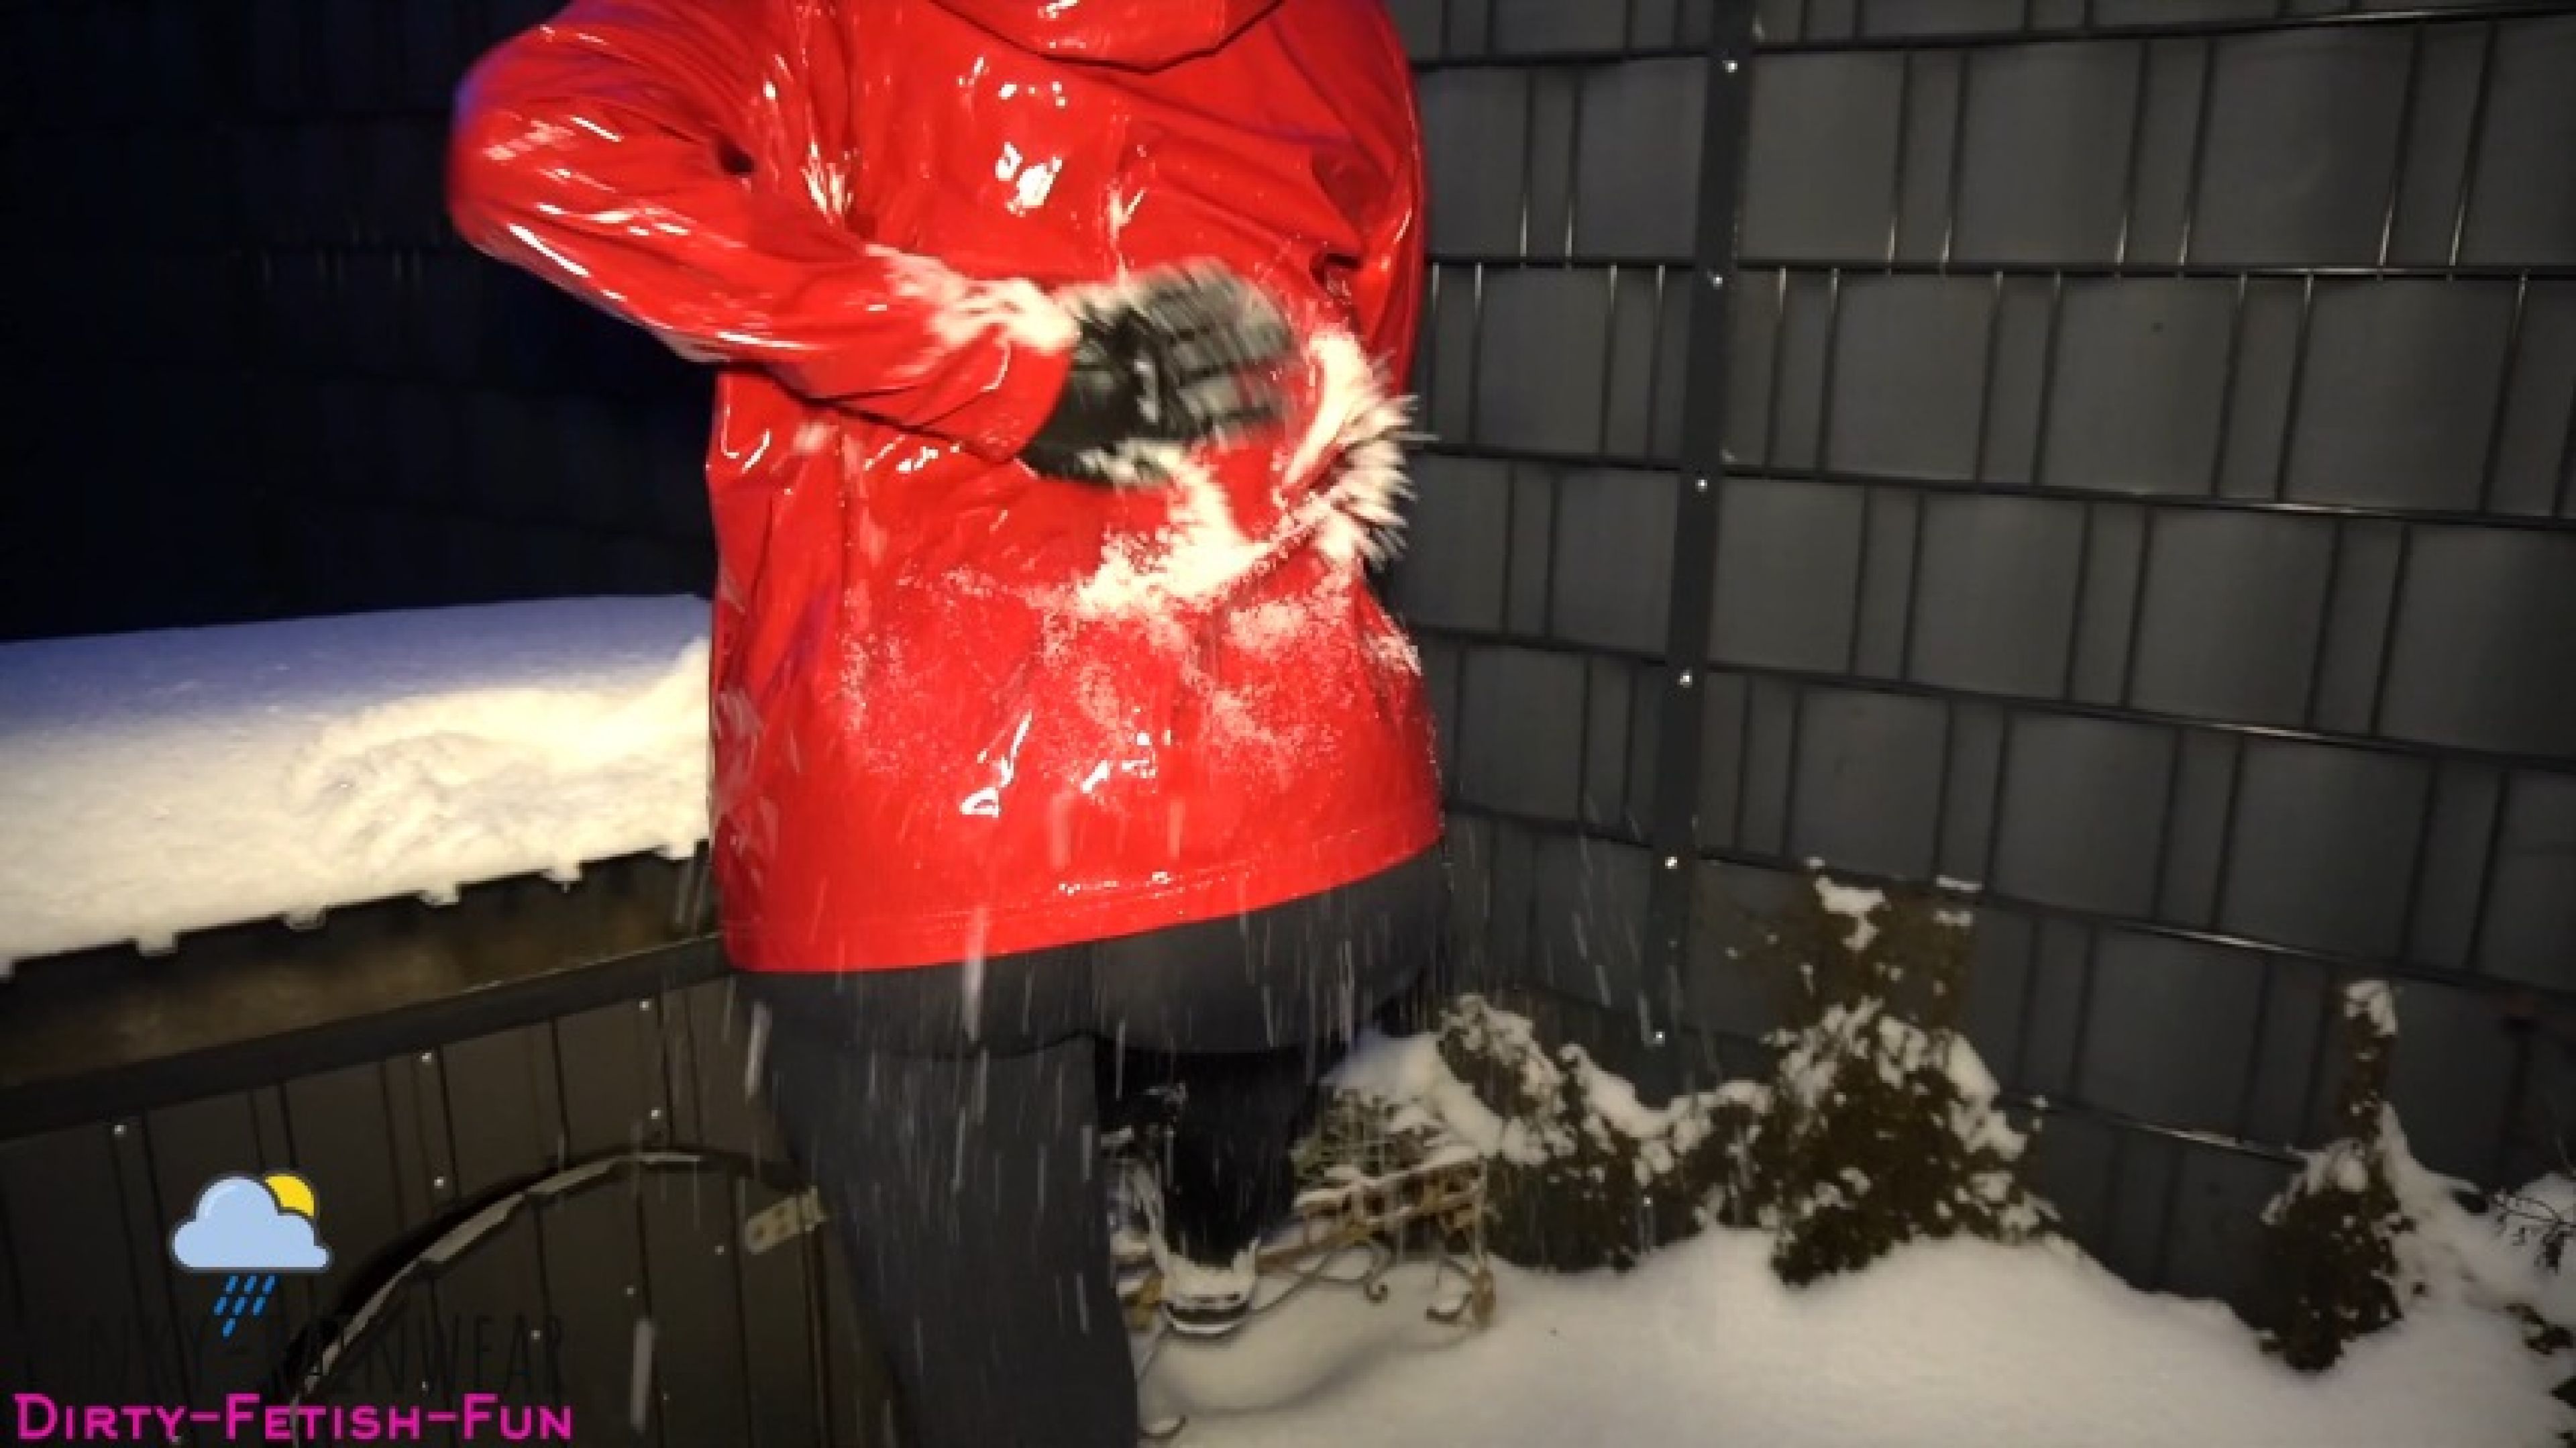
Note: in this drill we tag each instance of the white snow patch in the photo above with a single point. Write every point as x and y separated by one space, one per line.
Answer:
1198 552
965 309
1967 1071
1409 1074
1360 518
1410 1070
159 783
1280 623
1853 903
2373 1001
2455 1255
1613 1098
1349 447
1203 1284
1958 1344
1753 1095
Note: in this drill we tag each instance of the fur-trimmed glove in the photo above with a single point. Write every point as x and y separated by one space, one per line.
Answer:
1176 356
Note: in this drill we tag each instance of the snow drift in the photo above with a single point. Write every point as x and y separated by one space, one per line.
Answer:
158 783
1961 1343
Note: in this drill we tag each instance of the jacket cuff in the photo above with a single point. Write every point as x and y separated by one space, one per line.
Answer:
1020 402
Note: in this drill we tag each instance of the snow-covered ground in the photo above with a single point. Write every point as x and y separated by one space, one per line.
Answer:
1962 1344
1957 1345
157 783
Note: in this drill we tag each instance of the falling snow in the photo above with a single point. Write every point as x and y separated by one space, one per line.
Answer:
639 1378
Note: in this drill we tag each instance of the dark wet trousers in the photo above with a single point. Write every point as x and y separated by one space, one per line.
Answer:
951 1118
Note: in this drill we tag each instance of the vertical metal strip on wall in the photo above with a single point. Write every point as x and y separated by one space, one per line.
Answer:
1681 744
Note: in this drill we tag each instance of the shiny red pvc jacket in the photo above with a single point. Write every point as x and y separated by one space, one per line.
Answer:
959 709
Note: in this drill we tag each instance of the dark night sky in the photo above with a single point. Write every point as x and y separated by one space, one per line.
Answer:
255 374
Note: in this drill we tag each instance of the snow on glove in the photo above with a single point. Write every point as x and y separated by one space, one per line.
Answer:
1172 358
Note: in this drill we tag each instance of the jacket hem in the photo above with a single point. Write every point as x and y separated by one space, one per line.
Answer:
911 942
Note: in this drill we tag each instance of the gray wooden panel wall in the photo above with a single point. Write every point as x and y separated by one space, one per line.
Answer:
2149 493
1563 144
749 1349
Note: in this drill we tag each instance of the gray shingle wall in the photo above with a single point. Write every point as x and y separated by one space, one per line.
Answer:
1552 371
2148 492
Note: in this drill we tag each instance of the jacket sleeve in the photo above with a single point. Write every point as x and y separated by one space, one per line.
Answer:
1386 293
612 152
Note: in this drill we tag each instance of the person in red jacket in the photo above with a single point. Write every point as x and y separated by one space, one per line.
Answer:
1062 748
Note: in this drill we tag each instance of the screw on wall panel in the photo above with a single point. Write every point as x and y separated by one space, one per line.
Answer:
653 1115
643 1005
1732 64
1699 485
428 1058
1687 679
438 1184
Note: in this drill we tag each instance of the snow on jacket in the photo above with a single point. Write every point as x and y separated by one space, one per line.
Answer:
958 708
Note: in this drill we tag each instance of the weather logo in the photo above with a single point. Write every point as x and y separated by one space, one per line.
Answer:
251 1229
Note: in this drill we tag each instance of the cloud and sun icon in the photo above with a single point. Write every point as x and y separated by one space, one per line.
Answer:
251 1229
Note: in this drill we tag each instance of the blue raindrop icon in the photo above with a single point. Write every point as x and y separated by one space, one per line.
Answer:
251 1229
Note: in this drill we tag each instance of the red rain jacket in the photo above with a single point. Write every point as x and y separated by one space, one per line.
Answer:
958 708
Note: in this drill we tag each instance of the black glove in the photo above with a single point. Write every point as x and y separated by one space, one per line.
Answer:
1174 360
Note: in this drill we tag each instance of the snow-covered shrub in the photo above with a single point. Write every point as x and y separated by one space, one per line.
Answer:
2332 1235
2364 1232
1585 1175
1882 1126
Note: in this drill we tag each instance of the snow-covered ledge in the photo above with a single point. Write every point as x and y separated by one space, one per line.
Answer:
154 784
